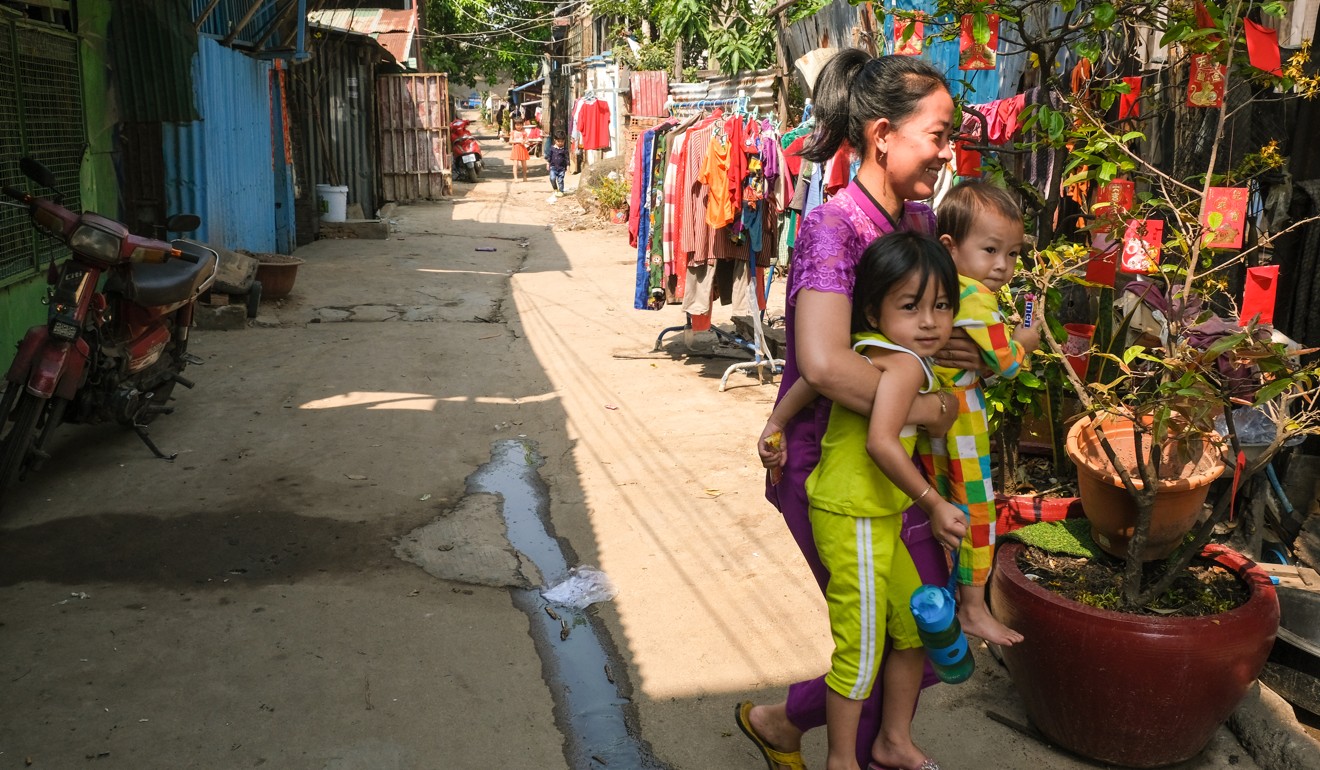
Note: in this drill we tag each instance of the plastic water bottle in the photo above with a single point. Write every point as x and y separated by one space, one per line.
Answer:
936 613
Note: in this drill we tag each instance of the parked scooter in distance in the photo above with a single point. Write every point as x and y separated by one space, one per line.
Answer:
108 354
467 151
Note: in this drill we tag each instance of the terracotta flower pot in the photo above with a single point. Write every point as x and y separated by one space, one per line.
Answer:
1132 690
1184 483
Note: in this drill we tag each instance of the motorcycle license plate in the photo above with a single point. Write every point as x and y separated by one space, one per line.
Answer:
470 158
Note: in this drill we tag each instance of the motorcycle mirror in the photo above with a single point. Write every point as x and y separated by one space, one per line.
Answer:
34 170
183 223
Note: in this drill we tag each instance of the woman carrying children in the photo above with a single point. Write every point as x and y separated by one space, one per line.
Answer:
897 115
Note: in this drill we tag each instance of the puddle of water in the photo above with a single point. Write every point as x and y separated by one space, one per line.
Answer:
588 707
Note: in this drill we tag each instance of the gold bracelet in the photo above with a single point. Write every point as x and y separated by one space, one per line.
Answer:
943 406
924 492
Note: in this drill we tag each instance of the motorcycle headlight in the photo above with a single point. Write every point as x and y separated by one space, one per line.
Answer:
96 243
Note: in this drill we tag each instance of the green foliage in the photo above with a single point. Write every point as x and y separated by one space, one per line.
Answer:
488 39
611 192
649 57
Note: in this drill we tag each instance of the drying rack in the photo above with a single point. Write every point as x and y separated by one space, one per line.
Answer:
762 357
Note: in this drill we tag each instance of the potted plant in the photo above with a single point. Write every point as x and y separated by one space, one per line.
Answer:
1130 681
612 195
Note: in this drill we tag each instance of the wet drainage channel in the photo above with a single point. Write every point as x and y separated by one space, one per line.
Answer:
575 660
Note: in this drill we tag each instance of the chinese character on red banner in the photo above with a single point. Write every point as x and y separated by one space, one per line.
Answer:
1224 217
1206 86
974 54
1114 198
911 46
1141 246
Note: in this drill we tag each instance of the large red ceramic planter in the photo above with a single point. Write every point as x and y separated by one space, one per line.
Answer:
1131 690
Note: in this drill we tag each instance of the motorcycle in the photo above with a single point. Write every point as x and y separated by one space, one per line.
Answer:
113 354
467 152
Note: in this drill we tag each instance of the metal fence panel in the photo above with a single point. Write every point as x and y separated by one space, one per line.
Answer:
650 91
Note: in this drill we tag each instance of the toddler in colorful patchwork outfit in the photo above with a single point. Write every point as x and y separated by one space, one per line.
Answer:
981 225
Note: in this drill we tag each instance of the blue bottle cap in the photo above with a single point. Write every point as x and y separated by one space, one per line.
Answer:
933 607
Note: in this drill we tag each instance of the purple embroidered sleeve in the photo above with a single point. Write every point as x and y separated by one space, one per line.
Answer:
825 256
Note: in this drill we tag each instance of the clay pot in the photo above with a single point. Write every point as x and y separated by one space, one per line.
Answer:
1131 690
1184 483
277 273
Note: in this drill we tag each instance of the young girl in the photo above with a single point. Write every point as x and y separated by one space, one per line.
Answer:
905 299
518 151
981 225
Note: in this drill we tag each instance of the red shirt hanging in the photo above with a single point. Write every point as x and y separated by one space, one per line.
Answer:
595 124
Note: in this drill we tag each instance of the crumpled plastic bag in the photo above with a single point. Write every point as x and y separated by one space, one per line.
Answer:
1254 427
583 587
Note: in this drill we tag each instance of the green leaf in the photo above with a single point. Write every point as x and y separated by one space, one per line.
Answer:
1269 392
1029 379
1131 135
1132 353
1108 171
1224 345
1103 15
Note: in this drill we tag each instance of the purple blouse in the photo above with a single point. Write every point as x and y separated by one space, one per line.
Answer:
829 246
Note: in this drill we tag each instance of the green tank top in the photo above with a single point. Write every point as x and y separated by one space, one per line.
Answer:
846 480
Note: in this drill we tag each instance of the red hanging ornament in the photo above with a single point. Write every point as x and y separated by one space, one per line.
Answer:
1259 294
1141 246
1205 88
1127 103
1224 217
912 46
974 55
1263 48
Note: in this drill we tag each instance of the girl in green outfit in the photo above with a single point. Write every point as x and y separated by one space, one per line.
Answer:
905 299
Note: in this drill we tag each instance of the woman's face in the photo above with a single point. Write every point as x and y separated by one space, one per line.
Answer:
914 151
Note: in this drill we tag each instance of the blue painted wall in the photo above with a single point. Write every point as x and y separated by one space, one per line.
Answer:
222 167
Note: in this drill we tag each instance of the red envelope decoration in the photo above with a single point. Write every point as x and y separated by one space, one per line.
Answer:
1263 48
1224 217
913 45
1114 198
966 162
978 55
1206 86
1127 103
1258 295
1102 267
1141 246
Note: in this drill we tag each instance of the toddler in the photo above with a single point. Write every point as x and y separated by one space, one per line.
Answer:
557 160
981 225
518 149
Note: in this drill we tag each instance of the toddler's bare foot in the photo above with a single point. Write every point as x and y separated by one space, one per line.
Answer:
977 621
902 754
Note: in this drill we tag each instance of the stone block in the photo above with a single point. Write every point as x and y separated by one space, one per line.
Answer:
371 229
223 317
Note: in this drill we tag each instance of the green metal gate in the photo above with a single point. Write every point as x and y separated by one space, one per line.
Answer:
41 115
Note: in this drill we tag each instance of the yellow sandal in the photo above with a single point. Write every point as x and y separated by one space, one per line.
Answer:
790 759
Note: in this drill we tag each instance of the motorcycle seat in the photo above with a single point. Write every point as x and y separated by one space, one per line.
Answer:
169 282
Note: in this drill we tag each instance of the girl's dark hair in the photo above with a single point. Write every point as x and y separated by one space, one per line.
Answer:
889 260
969 199
855 88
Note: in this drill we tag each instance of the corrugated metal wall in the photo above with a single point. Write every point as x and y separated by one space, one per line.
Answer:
415 155
838 25
332 100
650 91
220 167
758 84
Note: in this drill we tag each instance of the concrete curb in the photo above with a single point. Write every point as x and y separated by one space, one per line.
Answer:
1267 728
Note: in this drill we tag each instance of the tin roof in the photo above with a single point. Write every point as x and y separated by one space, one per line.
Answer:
394 30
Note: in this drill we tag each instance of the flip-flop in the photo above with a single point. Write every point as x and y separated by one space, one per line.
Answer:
926 764
790 759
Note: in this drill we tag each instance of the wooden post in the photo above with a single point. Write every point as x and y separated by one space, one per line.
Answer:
868 29
781 25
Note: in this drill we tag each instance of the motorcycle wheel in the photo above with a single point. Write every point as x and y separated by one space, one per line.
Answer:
17 442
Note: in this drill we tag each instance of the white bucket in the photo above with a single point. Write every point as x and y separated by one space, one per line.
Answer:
333 200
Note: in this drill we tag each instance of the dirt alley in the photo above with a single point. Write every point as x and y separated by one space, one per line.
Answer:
245 606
